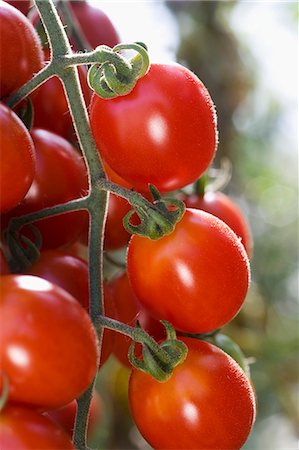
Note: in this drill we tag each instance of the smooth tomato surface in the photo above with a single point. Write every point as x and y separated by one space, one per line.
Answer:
17 159
60 176
196 278
163 132
220 205
20 50
48 347
24 429
208 403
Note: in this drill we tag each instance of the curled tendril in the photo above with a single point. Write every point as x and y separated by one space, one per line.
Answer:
157 219
160 365
114 75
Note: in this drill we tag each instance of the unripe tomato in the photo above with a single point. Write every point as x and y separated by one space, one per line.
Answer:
48 346
196 278
61 176
208 402
20 50
163 132
17 160
25 429
220 205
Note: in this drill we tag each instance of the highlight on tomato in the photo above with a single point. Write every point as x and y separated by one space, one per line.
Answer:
196 278
48 346
61 176
20 49
163 132
207 403
222 206
17 159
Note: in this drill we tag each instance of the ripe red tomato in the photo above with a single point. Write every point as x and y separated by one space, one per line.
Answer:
128 310
23 428
220 205
208 403
163 132
95 24
17 159
196 278
20 50
48 346
21 5
65 416
60 176
50 105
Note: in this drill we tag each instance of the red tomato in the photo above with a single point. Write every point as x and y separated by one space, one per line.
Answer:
64 270
128 310
65 416
20 50
48 346
71 273
24 429
4 269
163 132
220 205
51 110
17 159
21 5
208 403
196 278
60 176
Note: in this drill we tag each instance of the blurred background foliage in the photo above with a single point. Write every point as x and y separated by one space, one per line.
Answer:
254 134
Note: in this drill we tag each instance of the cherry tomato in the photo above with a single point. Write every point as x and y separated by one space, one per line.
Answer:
20 49
196 278
71 273
24 429
208 403
17 159
48 346
64 270
163 132
128 310
21 5
60 176
220 205
50 105
65 416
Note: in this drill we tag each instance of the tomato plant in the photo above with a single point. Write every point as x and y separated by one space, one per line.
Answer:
20 49
26 429
60 176
163 132
45 334
196 278
220 205
17 156
208 402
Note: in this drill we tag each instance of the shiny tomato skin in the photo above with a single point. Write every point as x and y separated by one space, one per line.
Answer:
61 176
196 278
17 159
65 416
220 205
51 110
20 50
24 429
48 345
66 271
208 403
163 132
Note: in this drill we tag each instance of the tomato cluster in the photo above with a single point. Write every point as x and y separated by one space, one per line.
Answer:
164 133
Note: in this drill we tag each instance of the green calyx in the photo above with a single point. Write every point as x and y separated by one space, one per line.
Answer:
157 219
114 75
160 360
